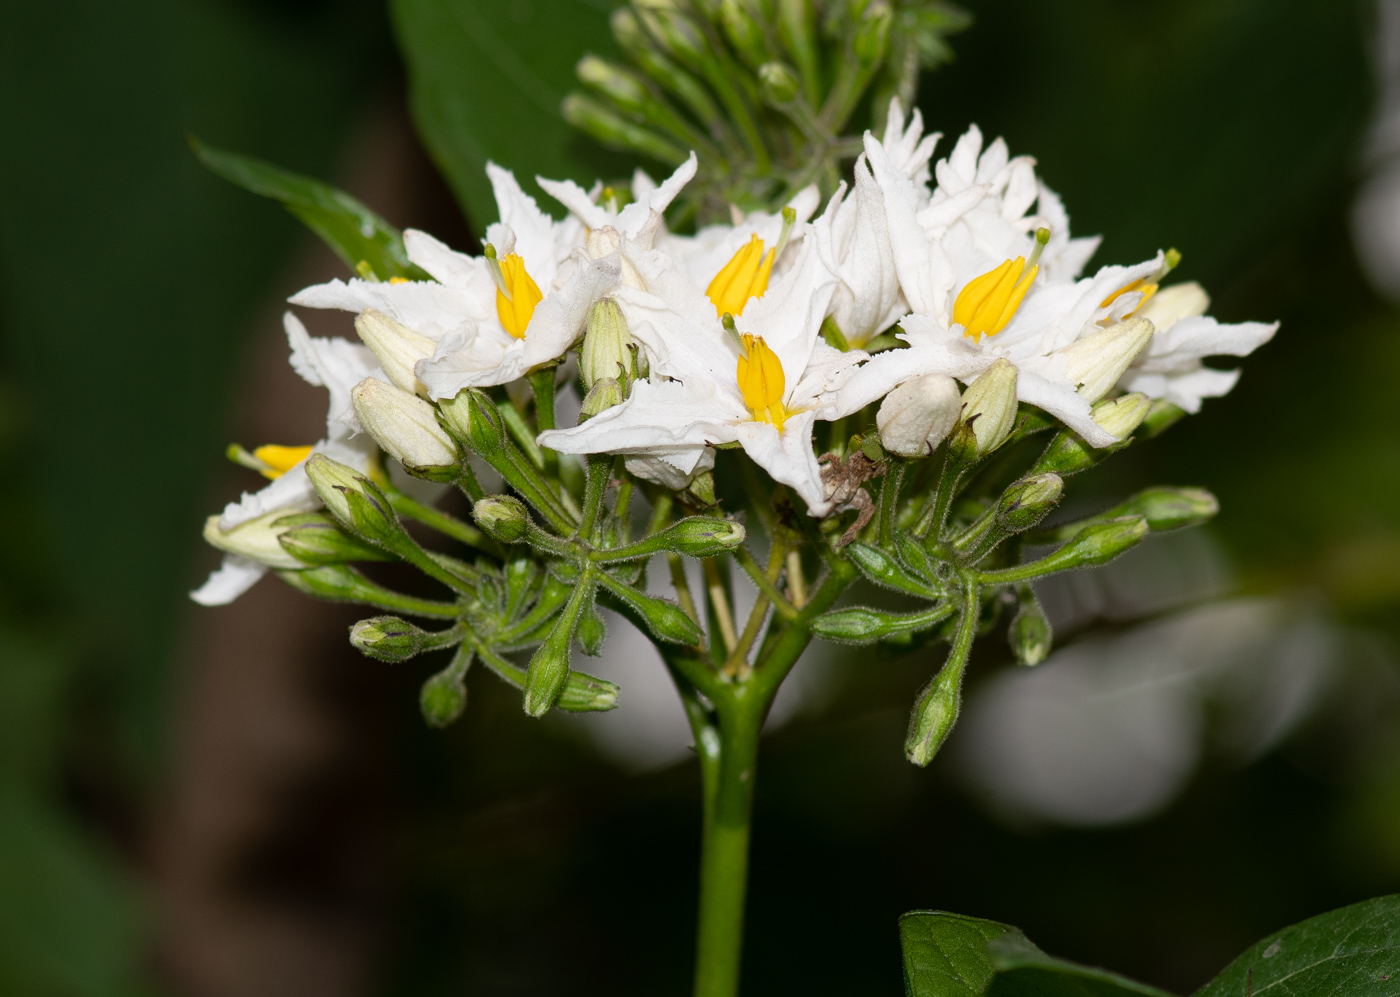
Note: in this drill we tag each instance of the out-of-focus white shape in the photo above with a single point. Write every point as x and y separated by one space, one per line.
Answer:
1109 730
1375 218
649 730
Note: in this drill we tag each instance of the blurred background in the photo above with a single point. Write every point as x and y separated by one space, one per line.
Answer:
234 802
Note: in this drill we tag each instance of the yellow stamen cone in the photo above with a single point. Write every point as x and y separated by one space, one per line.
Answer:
988 303
516 310
279 459
761 381
745 276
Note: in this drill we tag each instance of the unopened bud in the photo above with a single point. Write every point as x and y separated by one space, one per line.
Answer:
779 81
1171 508
1172 304
872 36
444 697
502 517
628 92
332 480
407 428
315 538
257 540
1102 542
915 417
605 352
605 394
1161 417
396 347
935 712
1122 415
743 31
387 638
862 625
547 674
1030 635
592 632
471 416
1028 501
696 536
1096 362
989 409
666 620
586 694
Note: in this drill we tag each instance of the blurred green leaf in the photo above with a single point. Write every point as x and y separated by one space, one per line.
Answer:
948 955
487 82
1351 952
353 231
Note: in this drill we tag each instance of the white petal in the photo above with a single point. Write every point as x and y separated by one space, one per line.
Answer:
788 457
227 582
656 417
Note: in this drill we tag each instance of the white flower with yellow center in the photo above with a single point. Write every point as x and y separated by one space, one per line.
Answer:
759 379
243 529
1170 368
489 319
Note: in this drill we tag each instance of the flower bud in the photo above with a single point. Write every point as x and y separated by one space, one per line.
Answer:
395 346
387 638
257 540
862 625
407 428
934 715
1096 362
621 85
471 416
605 353
314 538
666 620
1171 508
697 536
502 517
586 694
1172 304
592 632
989 409
1030 635
916 416
332 479
605 394
1161 417
1028 501
872 36
1102 542
548 671
744 32
612 129
780 84
444 697
1122 415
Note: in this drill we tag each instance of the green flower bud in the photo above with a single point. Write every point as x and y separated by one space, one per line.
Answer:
666 620
502 517
1102 542
471 416
935 713
1161 417
548 671
397 348
862 625
779 81
1028 501
444 698
387 638
615 131
605 394
407 428
621 85
883 569
1167 508
988 410
915 417
314 538
1030 635
586 694
872 37
605 353
1122 415
744 32
592 632
333 481
257 540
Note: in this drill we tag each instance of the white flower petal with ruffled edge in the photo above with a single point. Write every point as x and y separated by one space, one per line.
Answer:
640 219
227 582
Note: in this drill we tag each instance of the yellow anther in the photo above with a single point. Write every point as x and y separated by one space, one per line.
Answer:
1147 285
745 276
279 459
517 294
761 381
989 302
399 280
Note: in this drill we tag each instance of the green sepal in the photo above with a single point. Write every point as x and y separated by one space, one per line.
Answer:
1030 635
883 568
549 665
935 713
355 233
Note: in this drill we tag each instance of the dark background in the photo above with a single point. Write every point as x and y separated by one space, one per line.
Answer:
231 801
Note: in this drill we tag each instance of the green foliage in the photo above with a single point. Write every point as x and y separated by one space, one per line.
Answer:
367 243
1351 952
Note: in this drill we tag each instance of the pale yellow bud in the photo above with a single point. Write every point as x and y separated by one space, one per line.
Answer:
406 427
1096 362
989 406
916 416
256 540
396 347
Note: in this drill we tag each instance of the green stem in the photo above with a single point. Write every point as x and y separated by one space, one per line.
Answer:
542 383
889 499
444 523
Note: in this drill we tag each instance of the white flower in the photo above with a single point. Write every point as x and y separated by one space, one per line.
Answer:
706 389
491 320
337 365
1170 368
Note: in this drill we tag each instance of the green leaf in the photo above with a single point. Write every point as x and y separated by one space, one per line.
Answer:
1351 952
356 234
487 81
949 955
